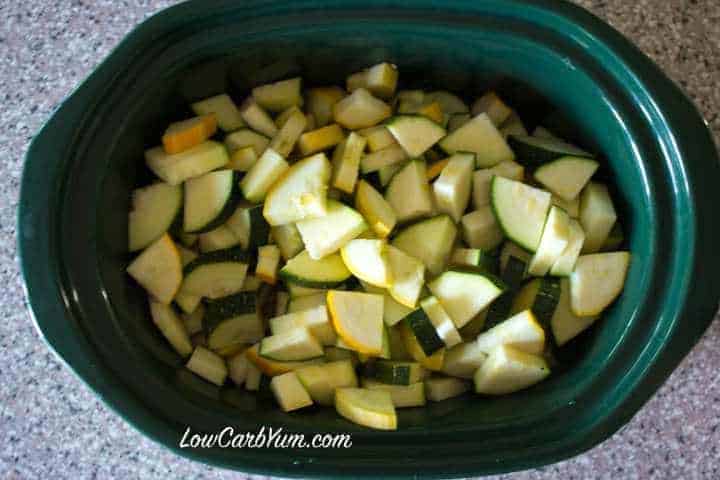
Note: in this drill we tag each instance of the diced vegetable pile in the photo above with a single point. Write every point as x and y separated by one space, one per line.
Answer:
369 249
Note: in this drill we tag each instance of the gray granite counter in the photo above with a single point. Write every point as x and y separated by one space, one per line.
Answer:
52 426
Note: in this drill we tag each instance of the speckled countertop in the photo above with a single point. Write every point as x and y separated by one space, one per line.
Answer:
52 426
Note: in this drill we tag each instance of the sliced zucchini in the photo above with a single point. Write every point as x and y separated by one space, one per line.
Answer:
210 199
320 103
158 269
424 331
266 171
520 210
178 167
322 380
216 274
441 321
180 136
597 216
438 389
457 120
564 323
392 155
521 331
432 362
187 302
282 118
243 159
360 110
378 138
272 367
463 360
436 168
535 151
481 229
307 302
298 291
315 319
565 264
452 188
208 365
326 235
553 241
288 239
172 328
513 126
193 320
279 96
290 132
380 79
393 311
249 226
227 114
246 138
252 283
300 193
482 180
398 373
597 281
511 249
492 105
257 118
358 319
386 173
464 293
408 277
512 275
412 395
450 103
369 408
328 272
253 377
480 137
232 320
289 392
237 367
346 162
415 133
320 139
219 238
572 207
409 192
282 301
541 296
376 210
154 209
470 257
566 176
367 260
508 370
291 345
430 241
267 264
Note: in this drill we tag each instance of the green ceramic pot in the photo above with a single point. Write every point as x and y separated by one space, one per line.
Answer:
611 98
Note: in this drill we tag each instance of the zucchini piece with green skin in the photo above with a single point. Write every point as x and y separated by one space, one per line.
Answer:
367 260
438 237
464 294
322 380
597 216
521 331
208 365
210 200
511 249
315 319
397 373
386 173
376 210
508 370
520 210
231 320
216 274
541 296
172 327
289 393
307 302
393 311
346 162
219 238
279 96
360 110
439 388
154 210
374 161
481 229
512 275
402 396
553 241
565 324
288 239
565 264
473 257
298 291
369 408
452 187
249 226
441 321
291 345
427 336
480 137
177 167
246 138
266 171
535 151
300 193
492 105
482 180
596 281
257 118
409 192
408 277
225 110
415 133
303 270
326 235
566 176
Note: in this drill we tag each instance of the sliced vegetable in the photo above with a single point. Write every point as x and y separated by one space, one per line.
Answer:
614 239
216 274
376 210
208 365
321 381
512 275
521 331
232 320
436 169
253 377
320 103
172 327
450 103
370 408
315 319
272 367
246 138
398 373
481 229
290 131
249 226
291 345
572 207
511 249
392 155
378 138
438 389
409 192
480 137
288 239
566 176
402 396
267 265
300 193
358 319
154 209
597 281
326 235
441 321
553 241
438 237
307 302
158 269
180 136
492 105
346 162
508 370
424 331
432 362
237 367
266 171
321 139
178 167
360 110
452 188
289 392
463 360
227 114
597 216
278 96
408 276
482 180
328 272
535 151
193 320
257 118
415 133
513 126
367 260
210 199
520 210
243 159
565 264
464 293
